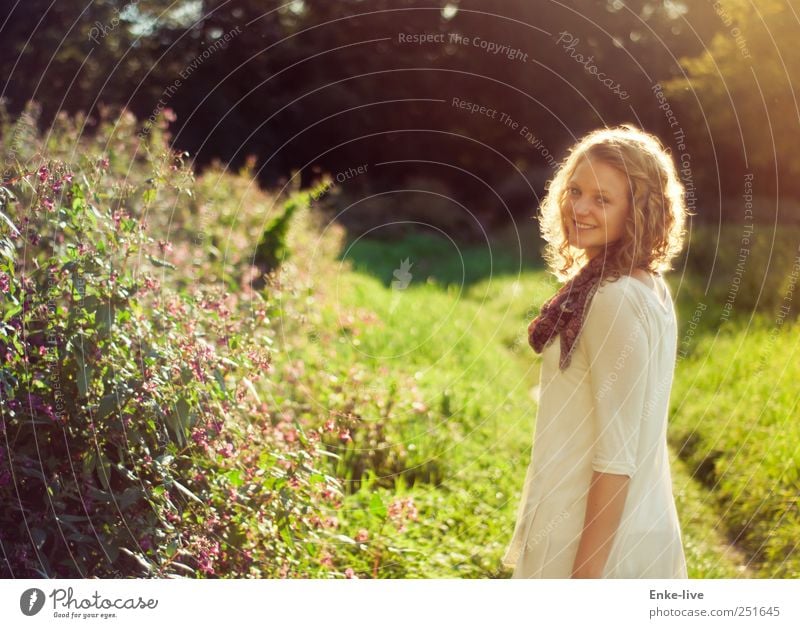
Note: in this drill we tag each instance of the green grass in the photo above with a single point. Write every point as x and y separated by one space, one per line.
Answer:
439 260
471 343
735 409
479 432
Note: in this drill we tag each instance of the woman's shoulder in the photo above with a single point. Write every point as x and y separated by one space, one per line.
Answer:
616 298
616 288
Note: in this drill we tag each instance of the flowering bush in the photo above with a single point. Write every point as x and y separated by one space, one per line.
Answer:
160 391
130 443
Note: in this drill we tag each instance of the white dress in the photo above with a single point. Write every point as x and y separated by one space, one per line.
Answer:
607 411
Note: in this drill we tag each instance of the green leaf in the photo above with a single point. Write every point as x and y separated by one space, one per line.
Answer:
108 404
31 471
376 506
251 388
143 562
7 220
130 496
101 496
39 537
67 525
104 471
89 462
13 311
80 538
104 317
160 262
84 377
178 421
186 375
220 380
287 537
149 195
76 518
110 549
182 566
187 492
7 250
235 477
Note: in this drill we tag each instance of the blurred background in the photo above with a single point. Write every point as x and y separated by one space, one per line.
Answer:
241 233
323 86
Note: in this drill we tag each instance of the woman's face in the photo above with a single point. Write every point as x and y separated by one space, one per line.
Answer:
597 198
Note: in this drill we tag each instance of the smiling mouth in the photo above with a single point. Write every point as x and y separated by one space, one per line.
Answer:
583 226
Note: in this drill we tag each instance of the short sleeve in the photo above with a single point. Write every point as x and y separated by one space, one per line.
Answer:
618 351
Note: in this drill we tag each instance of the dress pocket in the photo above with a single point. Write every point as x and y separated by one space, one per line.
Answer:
536 544
532 561
518 546
559 532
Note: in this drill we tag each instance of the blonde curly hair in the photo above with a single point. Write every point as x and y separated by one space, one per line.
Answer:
654 229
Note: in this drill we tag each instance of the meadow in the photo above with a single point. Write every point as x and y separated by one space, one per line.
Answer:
202 378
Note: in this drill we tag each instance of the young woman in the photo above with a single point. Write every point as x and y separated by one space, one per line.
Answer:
597 500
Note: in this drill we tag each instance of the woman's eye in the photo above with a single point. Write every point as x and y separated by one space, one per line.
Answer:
574 191
600 199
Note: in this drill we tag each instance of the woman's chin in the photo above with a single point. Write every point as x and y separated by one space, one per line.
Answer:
582 242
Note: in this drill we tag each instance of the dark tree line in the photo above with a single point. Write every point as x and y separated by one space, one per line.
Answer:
319 85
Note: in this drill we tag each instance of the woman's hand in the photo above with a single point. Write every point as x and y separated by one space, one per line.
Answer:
604 506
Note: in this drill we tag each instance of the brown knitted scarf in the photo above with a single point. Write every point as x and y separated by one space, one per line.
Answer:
564 313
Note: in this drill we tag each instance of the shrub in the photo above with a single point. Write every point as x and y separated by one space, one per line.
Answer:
132 438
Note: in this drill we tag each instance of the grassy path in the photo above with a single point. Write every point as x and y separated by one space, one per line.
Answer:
471 344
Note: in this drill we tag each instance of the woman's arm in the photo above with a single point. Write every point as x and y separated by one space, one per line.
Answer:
604 506
618 349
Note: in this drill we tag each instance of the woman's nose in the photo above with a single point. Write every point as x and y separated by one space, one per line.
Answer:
580 207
